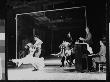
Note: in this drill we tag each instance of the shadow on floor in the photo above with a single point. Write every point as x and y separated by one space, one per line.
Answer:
70 70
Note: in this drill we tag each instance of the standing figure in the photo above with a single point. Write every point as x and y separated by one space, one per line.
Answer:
88 38
64 46
37 44
70 51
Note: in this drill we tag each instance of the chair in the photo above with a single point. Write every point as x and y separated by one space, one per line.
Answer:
103 65
101 62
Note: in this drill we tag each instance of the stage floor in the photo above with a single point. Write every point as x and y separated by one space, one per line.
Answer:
52 71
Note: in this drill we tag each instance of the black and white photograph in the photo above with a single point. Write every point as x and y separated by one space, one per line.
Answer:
56 40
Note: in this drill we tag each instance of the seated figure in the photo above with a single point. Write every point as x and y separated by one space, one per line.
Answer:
100 57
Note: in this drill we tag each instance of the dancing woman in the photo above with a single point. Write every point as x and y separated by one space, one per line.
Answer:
28 58
64 47
37 44
37 63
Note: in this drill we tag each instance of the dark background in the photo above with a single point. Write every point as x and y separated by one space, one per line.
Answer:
96 18
52 33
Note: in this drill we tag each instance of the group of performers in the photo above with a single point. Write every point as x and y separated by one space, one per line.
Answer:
33 57
67 52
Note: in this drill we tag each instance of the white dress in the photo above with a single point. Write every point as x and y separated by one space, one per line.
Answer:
29 57
66 44
68 52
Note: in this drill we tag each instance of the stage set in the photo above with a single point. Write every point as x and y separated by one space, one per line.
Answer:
56 45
